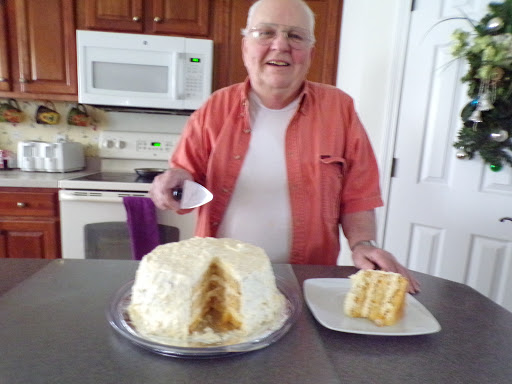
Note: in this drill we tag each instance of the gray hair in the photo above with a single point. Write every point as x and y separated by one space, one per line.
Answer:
309 12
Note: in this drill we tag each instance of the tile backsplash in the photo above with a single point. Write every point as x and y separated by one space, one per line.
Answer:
28 129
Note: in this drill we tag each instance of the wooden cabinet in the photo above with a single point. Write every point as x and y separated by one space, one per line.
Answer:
38 44
39 38
325 61
29 223
168 17
5 84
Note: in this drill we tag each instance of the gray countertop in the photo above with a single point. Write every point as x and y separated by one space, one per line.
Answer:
17 178
53 329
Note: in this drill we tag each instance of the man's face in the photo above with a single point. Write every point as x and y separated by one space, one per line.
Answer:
277 66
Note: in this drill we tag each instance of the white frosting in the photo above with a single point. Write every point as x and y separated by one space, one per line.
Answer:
162 295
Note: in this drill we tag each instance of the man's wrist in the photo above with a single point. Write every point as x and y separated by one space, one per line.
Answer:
370 243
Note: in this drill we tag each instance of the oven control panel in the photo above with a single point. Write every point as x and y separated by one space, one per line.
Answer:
137 145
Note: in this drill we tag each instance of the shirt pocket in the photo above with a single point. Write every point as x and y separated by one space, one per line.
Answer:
332 170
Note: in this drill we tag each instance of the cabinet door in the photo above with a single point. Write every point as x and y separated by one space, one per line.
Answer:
43 48
114 15
327 30
5 84
178 17
30 238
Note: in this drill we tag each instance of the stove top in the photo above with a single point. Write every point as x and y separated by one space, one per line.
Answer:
108 181
119 177
121 153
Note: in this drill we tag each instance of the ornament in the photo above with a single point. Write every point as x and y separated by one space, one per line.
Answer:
497 74
462 154
495 24
486 96
495 167
485 104
499 136
476 116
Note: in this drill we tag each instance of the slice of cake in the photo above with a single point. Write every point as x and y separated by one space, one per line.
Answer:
204 286
376 295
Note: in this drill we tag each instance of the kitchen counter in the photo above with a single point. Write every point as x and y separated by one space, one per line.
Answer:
54 329
17 178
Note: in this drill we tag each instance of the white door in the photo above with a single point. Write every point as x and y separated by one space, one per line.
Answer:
444 213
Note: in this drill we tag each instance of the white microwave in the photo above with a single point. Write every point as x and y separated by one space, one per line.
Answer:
143 71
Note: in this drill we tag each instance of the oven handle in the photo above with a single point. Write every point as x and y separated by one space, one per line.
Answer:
97 197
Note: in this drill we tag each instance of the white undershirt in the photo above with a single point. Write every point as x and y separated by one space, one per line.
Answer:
259 211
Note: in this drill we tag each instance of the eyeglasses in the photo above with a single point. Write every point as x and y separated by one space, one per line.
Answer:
298 38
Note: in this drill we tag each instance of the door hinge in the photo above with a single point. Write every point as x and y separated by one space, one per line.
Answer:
394 167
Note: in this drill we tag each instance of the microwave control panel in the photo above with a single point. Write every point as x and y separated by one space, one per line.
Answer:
137 145
194 77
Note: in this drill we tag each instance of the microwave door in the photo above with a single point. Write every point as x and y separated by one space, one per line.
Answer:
177 78
126 79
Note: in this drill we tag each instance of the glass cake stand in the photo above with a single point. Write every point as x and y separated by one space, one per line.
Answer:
286 282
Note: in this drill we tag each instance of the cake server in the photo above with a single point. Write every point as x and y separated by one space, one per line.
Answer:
191 195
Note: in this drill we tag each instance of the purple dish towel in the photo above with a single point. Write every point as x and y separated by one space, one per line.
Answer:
142 225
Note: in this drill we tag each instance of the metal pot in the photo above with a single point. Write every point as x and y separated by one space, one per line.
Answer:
149 173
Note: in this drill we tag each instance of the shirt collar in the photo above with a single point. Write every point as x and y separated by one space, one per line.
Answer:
304 95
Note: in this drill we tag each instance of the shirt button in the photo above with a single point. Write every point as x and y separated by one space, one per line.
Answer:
225 190
237 157
247 130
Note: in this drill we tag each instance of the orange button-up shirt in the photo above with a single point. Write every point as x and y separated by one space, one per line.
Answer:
330 164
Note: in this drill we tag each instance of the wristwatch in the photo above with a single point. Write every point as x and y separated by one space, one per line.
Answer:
371 243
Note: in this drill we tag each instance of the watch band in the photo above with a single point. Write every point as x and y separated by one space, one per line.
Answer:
371 243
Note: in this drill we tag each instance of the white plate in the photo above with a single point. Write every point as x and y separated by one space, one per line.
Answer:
325 298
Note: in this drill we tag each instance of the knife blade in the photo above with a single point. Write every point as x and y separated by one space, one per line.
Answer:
191 195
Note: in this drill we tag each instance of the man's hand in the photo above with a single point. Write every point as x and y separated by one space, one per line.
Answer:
369 257
162 186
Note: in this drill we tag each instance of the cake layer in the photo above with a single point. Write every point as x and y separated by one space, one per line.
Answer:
376 295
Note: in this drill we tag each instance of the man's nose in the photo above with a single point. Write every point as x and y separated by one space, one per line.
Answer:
281 42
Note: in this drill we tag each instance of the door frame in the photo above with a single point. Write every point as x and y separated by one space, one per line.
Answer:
392 110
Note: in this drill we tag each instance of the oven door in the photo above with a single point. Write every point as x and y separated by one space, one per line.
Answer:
94 224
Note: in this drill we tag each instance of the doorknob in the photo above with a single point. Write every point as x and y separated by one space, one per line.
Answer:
506 219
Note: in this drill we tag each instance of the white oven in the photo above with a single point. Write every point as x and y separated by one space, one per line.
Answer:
93 215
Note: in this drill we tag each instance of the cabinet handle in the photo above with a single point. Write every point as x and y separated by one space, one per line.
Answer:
506 219
23 80
21 204
136 19
157 19
3 79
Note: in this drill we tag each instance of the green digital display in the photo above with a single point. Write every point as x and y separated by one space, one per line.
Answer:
195 59
156 144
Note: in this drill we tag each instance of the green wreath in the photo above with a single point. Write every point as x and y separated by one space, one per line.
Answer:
487 118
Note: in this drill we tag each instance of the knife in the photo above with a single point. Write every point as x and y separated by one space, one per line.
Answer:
191 195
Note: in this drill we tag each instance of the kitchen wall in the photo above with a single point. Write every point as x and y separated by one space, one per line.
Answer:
370 64
28 129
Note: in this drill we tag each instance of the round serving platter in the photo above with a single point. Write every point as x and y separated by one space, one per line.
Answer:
119 320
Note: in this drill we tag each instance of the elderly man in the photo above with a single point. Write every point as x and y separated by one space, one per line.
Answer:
287 160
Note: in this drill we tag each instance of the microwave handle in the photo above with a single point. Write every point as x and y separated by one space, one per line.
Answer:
178 76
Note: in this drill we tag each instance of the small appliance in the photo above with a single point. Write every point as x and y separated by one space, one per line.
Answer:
41 156
143 71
